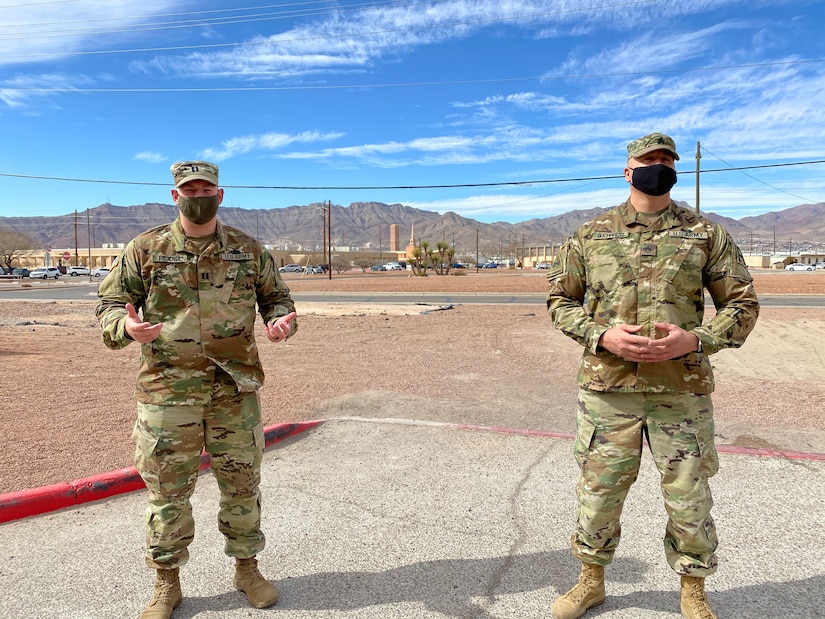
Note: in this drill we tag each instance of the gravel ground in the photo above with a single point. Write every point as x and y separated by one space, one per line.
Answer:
66 409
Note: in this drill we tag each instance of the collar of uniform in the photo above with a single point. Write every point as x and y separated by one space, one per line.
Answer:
179 235
630 216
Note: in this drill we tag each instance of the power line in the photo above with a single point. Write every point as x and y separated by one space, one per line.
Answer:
150 16
330 36
31 4
192 23
705 149
384 187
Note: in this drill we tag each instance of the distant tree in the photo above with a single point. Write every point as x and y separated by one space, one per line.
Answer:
12 245
363 264
420 259
441 257
340 265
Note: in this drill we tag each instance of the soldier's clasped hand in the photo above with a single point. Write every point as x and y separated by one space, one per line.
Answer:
623 341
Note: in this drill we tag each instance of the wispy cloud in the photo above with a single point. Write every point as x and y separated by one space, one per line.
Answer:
266 142
351 39
34 32
22 89
150 157
723 199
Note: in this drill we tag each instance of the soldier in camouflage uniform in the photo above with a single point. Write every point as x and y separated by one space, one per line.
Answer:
629 286
196 283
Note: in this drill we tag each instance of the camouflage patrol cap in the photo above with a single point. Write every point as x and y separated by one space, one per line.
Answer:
186 171
649 143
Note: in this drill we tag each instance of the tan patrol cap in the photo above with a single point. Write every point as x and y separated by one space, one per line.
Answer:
186 171
649 143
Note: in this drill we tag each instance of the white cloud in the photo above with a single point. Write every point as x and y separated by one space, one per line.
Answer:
22 89
150 157
353 39
730 200
35 32
266 142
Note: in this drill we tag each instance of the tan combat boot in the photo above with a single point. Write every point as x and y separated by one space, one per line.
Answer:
587 593
694 603
167 596
259 591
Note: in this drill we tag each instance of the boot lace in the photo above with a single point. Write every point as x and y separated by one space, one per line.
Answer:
580 591
698 603
164 591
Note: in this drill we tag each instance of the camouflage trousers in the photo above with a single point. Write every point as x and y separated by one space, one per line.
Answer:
168 445
608 449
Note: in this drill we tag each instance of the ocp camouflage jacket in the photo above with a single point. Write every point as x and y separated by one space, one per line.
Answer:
207 304
621 268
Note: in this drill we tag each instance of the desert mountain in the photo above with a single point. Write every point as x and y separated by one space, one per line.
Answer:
367 224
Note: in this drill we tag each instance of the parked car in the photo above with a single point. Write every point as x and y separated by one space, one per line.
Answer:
394 266
489 265
20 272
101 272
291 268
458 265
75 271
44 273
317 269
378 267
798 266
542 265
819 265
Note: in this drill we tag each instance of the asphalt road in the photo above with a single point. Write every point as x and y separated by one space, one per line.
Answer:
62 290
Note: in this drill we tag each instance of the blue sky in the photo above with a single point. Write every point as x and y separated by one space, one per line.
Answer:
337 95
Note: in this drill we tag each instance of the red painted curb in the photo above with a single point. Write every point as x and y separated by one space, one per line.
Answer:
35 501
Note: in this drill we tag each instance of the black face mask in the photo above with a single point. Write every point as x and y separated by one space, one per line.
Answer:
654 180
199 210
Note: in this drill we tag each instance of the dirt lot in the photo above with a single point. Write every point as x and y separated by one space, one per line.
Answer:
66 407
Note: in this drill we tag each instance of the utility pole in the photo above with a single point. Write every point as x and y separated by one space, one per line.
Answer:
329 238
75 238
89 234
324 232
698 157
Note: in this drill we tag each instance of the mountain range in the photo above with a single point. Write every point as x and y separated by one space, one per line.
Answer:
367 224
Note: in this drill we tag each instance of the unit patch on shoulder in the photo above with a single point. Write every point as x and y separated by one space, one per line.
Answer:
554 272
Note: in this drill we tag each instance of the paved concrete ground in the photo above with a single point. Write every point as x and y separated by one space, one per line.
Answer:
389 519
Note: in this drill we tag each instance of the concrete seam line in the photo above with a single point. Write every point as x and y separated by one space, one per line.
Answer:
44 499
726 448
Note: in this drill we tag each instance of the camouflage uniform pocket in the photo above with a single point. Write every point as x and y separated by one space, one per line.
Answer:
239 287
707 450
684 269
608 269
146 447
582 446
